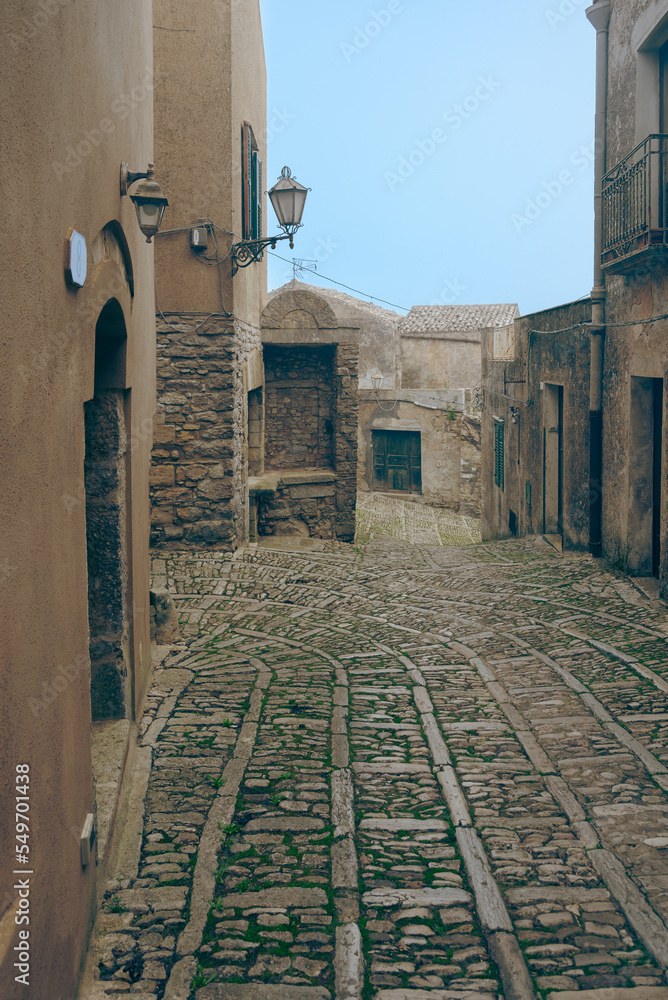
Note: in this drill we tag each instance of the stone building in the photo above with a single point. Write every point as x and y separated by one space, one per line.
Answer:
211 144
535 427
440 345
417 435
610 356
77 377
630 296
303 442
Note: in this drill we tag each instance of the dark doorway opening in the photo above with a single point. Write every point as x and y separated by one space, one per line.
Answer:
107 488
553 459
657 447
397 461
645 486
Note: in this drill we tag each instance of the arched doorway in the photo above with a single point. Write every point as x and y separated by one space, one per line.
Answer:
107 488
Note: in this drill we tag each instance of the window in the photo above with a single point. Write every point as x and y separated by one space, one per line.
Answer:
498 452
251 192
504 343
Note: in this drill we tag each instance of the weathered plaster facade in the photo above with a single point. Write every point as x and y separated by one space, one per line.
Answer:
635 353
440 345
618 373
541 488
437 418
77 391
209 351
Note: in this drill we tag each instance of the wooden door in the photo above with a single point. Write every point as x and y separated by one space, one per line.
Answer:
397 465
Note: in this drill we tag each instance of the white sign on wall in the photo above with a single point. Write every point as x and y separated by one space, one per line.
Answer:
76 259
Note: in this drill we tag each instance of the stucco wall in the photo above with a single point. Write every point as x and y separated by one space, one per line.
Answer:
560 358
84 106
439 362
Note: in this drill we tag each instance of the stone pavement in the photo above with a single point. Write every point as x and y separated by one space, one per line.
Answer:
383 515
398 772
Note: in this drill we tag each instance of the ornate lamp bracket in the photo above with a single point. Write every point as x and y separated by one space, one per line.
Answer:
247 252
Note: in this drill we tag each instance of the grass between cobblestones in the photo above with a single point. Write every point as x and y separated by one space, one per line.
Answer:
273 914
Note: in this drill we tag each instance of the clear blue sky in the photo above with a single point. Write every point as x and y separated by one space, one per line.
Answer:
448 146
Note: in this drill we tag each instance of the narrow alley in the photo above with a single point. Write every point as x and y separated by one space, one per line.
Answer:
394 771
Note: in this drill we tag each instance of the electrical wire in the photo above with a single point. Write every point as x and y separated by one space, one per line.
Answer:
632 322
374 298
218 261
179 326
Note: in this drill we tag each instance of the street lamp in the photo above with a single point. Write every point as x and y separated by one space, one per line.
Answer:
149 201
376 382
288 198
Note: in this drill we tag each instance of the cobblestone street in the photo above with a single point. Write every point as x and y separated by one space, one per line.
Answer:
394 771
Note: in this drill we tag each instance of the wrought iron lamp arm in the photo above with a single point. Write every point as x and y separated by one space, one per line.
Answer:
247 252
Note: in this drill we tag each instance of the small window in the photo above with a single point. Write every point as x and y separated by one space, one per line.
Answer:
251 194
503 347
498 452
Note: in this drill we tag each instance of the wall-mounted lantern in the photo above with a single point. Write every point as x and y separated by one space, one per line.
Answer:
376 382
149 201
288 198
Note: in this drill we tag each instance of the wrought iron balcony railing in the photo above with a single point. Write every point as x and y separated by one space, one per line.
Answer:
635 216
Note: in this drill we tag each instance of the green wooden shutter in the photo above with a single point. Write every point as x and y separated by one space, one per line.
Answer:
256 196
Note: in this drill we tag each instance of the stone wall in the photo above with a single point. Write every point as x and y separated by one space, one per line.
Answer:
300 403
198 475
345 438
551 349
106 533
470 483
309 501
302 503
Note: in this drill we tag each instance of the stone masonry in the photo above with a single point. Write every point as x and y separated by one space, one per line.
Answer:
299 386
307 485
200 451
315 495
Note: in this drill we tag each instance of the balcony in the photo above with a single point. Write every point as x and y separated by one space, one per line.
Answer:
635 210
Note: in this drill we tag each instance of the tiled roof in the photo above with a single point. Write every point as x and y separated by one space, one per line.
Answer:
456 319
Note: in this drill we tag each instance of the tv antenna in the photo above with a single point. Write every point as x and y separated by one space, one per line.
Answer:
300 264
